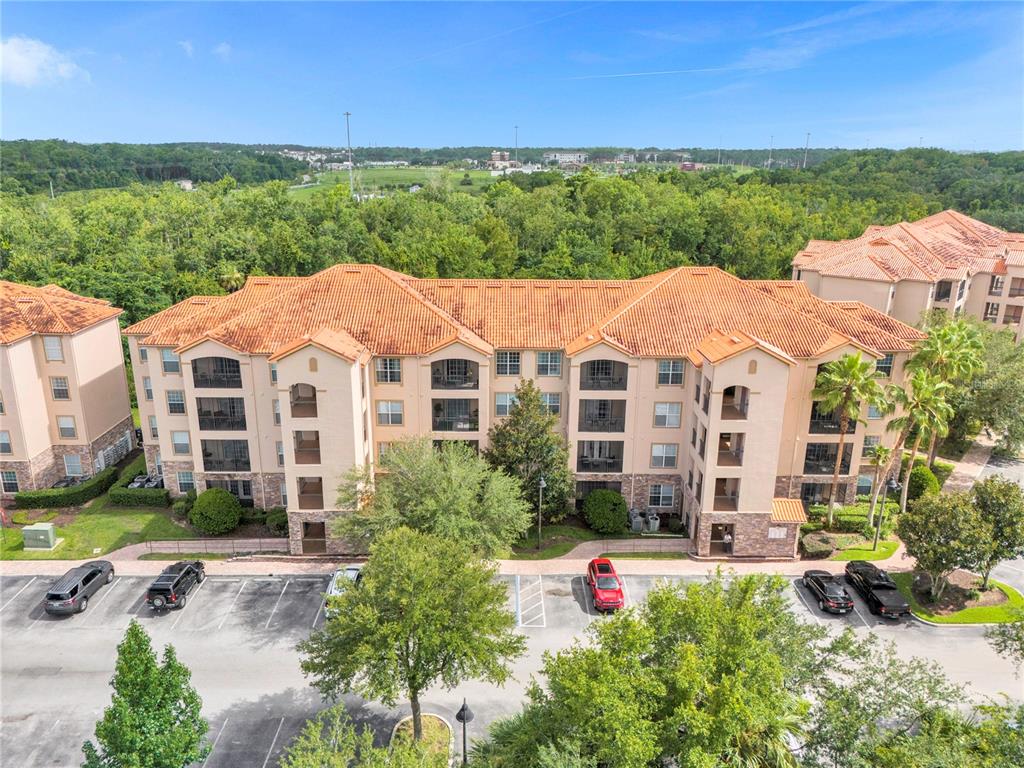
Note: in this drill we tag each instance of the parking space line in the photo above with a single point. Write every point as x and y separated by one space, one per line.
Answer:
319 611
19 592
586 601
626 599
306 578
860 616
519 612
181 613
531 604
232 606
270 618
271 750
817 619
99 602
214 745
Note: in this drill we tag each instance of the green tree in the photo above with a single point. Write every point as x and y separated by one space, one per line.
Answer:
841 388
154 716
451 492
425 612
229 277
880 457
215 511
527 446
1000 504
1008 639
942 533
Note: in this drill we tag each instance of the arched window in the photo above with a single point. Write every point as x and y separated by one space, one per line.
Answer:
312 365
303 401
752 367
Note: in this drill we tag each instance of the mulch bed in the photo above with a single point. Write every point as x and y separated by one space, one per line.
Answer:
959 593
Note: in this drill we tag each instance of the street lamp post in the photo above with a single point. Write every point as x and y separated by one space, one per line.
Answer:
540 506
894 487
464 715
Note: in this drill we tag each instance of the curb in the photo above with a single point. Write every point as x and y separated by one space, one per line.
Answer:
443 719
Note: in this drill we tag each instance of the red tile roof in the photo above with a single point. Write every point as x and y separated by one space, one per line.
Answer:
788 511
26 310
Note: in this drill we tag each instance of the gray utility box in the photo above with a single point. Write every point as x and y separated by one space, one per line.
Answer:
39 536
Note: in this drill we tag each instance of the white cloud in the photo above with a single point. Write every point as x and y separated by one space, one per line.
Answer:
28 63
186 46
223 50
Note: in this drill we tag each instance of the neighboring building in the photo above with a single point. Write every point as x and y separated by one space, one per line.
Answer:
947 261
185 184
501 161
688 391
566 158
64 407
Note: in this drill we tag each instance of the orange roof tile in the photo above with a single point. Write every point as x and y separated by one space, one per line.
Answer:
334 341
788 511
718 346
26 310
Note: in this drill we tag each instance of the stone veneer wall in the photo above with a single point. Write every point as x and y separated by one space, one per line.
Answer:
788 486
750 534
636 488
335 545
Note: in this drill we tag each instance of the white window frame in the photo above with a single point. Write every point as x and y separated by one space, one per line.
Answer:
186 485
53 349
386 413
175 443
874 412
169 362
67 469
660 453
661 495
866 449
549 363
666 413
170 410
143 355
9 481
671 370
154 428
54 388
5 440
61 429
147 388
273 373
507 359
777 532
277 413
387 370
503 402
552 409
870 483
284 494
280 452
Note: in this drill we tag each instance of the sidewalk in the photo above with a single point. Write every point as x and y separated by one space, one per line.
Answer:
969 468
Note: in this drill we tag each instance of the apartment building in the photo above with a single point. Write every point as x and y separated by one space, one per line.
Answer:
64 409
947 261
687 391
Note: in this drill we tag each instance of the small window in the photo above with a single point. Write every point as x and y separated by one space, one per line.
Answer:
752 368
667 414
273 373
503 402
72 465
777 532
388 370
864 483
280 453
175 401
313 365
158 463
186 482
874 412
507 363
696 391
661 495
870 443
549 363
390 412
664 455
991 312
153 431
53 348
284 494
5 442
59 388
277 413
883 367
66 427
689 479
670 372
143 354
147 387
170 361
552 401
995 285
10 481
181 443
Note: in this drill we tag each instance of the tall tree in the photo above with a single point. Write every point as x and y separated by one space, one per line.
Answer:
153 720
449 491
425 611
229 277
842 388
527 446
1000 504
1008 639
880 458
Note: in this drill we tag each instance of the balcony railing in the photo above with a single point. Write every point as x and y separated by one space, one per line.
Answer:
454 381
603 382
829 427
1016 291
304 408
726 503
730 458
732 412
307 455
311 501
1009 319
597 424
225 465
826 466
599 464
456 423
222 423
214 380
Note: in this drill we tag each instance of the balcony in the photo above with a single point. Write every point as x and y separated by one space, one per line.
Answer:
730 449
307 447
820 459
735 401
222 423
827 423
225 455
604 375
1012 318
599 456
311 492
221 413
211 464
725 503
455 415
602 416
454 374
727 495
303 401
1016 288
213 372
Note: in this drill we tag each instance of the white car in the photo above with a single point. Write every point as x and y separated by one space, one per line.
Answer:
350 574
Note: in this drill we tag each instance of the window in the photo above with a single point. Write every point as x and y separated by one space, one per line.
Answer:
186 482
153 431
59 388
280 453
661 495
143 354
382 448
225 455
961 289
53 348
389 412
147 386
693 436
5 442
10 481
273 373
389 370
73 465
870 443
874 412
66 427
777 532
507 363
696 392
175 401
864 483
752 367
2 411
503 402
549 363
664 454
284 494
991 312
667 414
943 290
170 361
883 367
995 285
689 479
180 442
313 365
158 463
670 372
552 401
277 413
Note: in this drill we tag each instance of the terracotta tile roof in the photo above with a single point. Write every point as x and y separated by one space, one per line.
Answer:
718 346
889 324
945 246
334 341
26 310
788 511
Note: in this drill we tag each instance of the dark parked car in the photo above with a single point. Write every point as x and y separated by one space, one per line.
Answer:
829 591
877 588
171 588
71 592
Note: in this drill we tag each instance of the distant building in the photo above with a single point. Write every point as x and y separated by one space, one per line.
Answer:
185 184
500 161
625 157
566 158
337 166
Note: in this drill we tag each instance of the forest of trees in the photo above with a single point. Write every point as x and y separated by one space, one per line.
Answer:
146 246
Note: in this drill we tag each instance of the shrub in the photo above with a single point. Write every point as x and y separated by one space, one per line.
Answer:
180 509
817 546
922 481
123 496
254 515
277 520
216 511
67 497
811 527
605 511
22 518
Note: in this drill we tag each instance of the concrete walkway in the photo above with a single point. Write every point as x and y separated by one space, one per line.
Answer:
968 469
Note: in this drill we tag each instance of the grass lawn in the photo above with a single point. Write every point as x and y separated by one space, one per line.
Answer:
135 416
644 555
376 179
436 735
97 529
863 551
989 614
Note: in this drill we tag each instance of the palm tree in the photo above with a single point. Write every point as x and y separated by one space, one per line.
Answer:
923 409
230 278
879 460
840 388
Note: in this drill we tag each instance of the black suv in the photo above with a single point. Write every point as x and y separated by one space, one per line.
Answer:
831 594
71 592
877 588
171 588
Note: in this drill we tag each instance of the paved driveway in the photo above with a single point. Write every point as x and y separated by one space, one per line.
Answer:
238 634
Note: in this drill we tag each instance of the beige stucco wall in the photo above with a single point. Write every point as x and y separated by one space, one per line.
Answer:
871 292
913 298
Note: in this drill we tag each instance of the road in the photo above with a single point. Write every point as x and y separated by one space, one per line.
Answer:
238 637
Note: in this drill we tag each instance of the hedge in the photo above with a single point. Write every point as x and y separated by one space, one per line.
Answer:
215 512
816 546
74 496
922 482
123 496
277 520
605 511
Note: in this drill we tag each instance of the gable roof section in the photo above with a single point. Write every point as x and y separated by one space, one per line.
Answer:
718 346
337 342
26 310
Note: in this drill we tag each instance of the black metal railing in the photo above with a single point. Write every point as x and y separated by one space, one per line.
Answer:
603 382
601 464
222 423
225 465
606 424
454 381
456 423
215 380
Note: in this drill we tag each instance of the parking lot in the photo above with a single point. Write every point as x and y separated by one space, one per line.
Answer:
238 635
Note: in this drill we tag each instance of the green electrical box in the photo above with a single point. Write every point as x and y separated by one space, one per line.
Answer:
39 536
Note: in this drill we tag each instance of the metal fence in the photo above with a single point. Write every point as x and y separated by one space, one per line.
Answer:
220 546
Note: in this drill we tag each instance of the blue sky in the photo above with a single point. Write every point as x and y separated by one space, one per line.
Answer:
569 74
